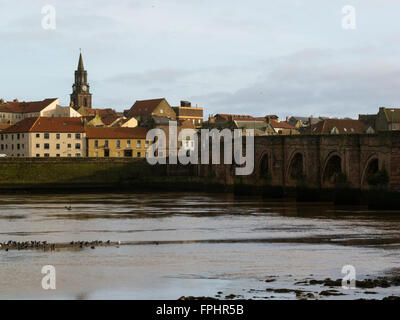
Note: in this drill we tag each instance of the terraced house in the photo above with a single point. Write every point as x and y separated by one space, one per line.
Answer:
116 142
44 137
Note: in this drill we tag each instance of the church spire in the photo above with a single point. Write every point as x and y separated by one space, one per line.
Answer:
81 96
80 63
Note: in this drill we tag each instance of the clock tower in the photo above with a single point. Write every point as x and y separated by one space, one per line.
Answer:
81 96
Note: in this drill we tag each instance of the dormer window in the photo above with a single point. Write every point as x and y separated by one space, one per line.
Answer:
334 130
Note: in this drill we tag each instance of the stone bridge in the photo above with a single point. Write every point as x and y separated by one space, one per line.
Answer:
281 160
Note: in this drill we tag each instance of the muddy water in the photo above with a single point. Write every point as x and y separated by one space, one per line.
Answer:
177 245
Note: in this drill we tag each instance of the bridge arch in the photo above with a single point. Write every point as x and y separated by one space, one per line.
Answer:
265 165
372 166
296 168
333 166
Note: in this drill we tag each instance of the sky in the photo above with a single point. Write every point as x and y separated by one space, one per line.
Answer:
286 57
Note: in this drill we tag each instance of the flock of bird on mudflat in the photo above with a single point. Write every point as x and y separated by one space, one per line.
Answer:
44 245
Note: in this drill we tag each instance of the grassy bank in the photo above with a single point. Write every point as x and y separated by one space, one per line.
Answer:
80 175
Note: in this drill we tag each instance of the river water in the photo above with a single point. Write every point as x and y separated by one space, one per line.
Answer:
205 244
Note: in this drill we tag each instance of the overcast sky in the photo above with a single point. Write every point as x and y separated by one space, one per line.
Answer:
286 57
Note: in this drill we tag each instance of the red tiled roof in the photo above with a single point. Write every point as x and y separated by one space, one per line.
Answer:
100 112
248 119
4 126
26 107
144 107
237 117
344 126
116 133
47 124
109 119
279 124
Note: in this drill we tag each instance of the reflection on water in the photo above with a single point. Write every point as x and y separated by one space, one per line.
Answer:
204 244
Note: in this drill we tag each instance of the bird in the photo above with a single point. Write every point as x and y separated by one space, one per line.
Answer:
69 208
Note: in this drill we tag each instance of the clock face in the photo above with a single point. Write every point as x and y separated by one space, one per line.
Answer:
84 88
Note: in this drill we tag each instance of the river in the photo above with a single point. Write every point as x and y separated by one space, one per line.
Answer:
205 245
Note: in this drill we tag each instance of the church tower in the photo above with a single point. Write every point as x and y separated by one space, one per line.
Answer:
81 96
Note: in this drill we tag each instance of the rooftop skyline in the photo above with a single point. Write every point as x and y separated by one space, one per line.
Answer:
256 57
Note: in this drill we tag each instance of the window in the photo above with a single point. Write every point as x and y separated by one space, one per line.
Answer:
146 144
78 155
77 145
58 146
57 155
138 144
138 154
106 144
77 135
46 146
68 135
23 146
57 136
37 155
2 147
47 135
37 145
128 143
18 136
128 153
18 146
69 145
118 154
46 155
96 143
118 144
37 135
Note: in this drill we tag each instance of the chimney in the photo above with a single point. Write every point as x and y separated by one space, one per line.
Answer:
287 119
1 101
15 100
185 103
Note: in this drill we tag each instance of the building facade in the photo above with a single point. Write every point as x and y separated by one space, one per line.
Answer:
145 110
44 137
116 142
186 112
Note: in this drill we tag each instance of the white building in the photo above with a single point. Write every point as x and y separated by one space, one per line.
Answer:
13 111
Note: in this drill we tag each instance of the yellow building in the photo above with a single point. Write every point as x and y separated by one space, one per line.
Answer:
117 142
